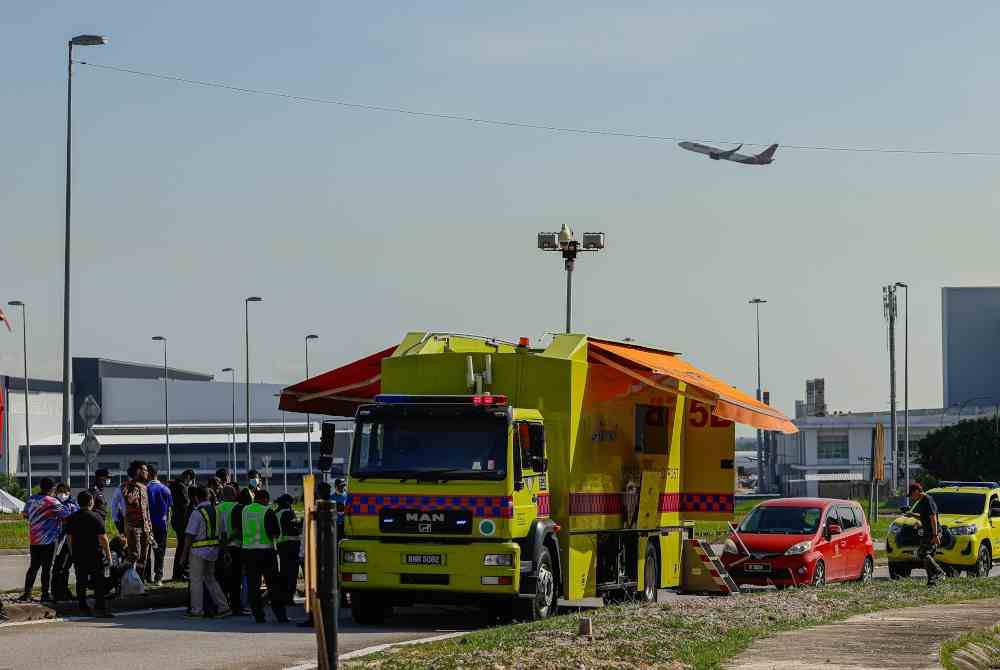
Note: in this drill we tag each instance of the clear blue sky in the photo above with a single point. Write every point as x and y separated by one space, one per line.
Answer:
360 226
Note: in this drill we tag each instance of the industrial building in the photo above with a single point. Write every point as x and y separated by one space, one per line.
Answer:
203 433
970 319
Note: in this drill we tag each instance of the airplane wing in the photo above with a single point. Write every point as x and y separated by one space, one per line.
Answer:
699 148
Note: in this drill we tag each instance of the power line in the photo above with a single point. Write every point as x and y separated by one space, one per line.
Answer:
524 124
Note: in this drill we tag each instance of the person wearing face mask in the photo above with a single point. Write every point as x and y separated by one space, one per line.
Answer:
255 481
102 478
64 554
180 513
45 517
138 525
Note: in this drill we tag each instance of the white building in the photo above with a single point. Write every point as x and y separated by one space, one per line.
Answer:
838 447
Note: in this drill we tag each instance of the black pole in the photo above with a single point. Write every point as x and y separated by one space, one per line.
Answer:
326 588
67 430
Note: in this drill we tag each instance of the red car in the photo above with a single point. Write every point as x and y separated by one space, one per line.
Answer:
796 541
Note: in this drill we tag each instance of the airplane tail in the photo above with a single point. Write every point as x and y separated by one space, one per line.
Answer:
768 153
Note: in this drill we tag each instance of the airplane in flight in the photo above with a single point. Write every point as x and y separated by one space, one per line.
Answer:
763 158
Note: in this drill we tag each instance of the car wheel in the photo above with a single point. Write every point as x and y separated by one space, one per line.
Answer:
819 574
897 571
543 604
651 575
866 570
984 562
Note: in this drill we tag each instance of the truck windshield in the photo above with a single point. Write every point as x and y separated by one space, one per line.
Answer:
965 504
785 520
431 448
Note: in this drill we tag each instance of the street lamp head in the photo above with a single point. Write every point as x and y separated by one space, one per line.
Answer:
16 303
254 298
228 370
312 337
88 40
159 338
565 235
902 284
757 301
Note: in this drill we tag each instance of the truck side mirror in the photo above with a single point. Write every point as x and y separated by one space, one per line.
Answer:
542 464
994 512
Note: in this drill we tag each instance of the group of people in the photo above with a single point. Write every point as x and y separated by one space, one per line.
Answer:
229 540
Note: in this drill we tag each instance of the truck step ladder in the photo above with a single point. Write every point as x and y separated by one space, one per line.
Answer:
703 571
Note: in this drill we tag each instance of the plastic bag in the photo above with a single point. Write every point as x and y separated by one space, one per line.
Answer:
132 583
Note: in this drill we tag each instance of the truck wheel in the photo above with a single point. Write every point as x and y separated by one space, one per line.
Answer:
898 571
543 604
651 575
367 609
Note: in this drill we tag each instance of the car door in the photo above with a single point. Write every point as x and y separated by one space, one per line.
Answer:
993 510
829 546
851 542
838 545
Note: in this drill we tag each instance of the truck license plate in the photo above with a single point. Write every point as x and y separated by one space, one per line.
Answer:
423 559
758 567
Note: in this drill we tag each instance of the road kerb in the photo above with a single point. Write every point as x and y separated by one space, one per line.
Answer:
368 651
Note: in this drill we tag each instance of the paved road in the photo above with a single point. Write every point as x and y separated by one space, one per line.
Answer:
167 640
13 567
902 639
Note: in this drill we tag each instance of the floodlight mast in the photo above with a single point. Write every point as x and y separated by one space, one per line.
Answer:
565 242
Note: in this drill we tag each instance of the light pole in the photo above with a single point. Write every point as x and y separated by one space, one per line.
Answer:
890 312
309 440
757 302
27 413
569 247
78 41
246 310
284 450
166 401
906 382
232 371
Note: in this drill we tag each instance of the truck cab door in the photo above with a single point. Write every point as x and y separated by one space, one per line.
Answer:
531 465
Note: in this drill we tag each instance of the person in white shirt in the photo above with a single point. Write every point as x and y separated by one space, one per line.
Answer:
201 551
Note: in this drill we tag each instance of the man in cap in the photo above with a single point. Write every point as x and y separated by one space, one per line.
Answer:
102 478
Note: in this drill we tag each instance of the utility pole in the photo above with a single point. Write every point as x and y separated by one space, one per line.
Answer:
889 311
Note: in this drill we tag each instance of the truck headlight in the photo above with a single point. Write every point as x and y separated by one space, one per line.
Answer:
355 557
504 560
730 547
964 530
799 548
895 528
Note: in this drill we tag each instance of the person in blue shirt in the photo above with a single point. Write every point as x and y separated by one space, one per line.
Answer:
160 502
341 497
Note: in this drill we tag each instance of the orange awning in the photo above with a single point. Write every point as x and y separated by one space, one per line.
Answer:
338 392
664 369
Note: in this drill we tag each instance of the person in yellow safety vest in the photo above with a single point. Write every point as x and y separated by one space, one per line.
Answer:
229 559
288 544
201 550
258 526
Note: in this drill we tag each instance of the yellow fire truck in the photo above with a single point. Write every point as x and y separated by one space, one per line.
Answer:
494 472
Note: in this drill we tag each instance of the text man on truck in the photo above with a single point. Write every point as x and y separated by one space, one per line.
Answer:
493 472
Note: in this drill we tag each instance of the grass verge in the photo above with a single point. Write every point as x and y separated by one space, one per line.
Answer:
692 632
982 648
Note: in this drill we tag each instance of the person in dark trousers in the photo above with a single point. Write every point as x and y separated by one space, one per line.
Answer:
102 479
230 574
138 525
179 514
925 509
45 517
91 554
258 525
63 562
160 502
288 544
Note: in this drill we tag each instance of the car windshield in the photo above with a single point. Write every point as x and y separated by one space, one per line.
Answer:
431 448
784 520
964 504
